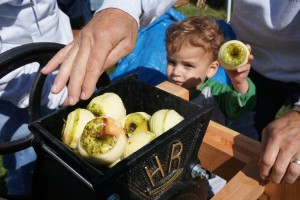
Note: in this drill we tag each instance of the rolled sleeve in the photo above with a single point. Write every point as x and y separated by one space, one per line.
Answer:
144 12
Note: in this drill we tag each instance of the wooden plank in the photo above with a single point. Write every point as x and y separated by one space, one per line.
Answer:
283 191
225 152
264 197
246 185
231 142
174 89
218 162
233 161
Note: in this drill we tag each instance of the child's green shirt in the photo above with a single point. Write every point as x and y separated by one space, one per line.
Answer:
231 103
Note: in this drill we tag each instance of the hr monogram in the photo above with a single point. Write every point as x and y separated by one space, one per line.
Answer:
174 158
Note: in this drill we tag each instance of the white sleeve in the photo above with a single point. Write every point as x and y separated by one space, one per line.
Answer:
15 86
143 11
16 2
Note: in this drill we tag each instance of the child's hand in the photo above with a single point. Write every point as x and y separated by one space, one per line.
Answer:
239 76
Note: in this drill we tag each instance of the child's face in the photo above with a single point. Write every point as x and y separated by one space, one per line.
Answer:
189 67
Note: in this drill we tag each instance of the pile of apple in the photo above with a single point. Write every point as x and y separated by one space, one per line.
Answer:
103 133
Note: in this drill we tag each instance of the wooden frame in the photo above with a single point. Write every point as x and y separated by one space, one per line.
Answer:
235 157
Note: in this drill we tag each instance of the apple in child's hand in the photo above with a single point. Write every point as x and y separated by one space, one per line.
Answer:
233 54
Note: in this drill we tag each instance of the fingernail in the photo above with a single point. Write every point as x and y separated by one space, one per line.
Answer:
44 68
71 100
82 95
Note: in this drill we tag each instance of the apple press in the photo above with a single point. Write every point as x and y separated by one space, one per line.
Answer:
166 168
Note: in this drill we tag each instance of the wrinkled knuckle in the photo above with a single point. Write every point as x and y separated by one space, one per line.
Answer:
103 36
93 67
84 32
275 135
86 87
130 47
267 162
293 173
277 171
60 54
290 143
68 58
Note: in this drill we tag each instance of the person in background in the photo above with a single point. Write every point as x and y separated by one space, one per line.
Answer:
274 36
192 50
23 22
279 157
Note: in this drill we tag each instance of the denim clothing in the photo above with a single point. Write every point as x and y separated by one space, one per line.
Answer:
19 165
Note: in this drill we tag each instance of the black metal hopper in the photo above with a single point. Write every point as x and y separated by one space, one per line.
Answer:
160 170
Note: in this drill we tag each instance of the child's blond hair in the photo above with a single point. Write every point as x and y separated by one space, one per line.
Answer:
198 31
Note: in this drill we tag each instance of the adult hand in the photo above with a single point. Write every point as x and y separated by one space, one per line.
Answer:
280 144
109 36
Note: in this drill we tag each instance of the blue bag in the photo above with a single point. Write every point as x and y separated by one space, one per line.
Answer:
149 57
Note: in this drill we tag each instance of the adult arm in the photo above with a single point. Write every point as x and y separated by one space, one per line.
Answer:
109 36
144 12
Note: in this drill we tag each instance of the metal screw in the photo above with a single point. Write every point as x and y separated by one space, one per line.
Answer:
198 171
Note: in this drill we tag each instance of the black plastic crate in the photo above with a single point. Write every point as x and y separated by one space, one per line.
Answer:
61 174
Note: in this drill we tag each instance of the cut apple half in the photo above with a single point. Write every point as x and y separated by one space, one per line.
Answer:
103 141
136 122
163 120
73 127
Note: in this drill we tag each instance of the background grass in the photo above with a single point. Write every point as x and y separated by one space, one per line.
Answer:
192 10
3 173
